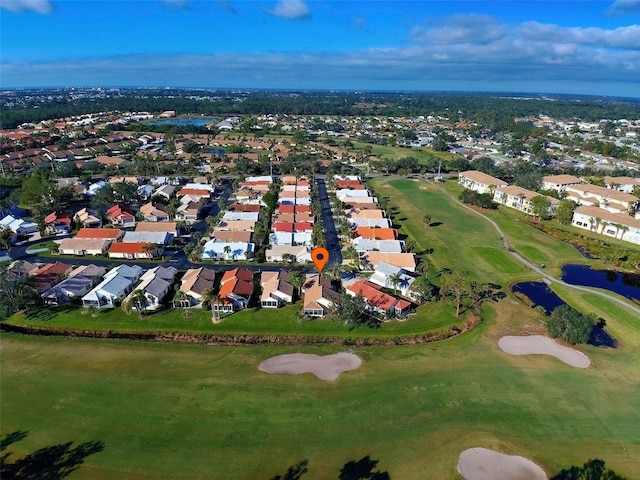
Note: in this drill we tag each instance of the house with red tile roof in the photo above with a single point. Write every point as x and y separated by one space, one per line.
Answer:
57 223
133 250
377 300
49 275
100 233
236 288
121 216
377 233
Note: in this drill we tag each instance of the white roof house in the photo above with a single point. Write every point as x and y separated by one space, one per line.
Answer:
158 238
276 253
18 225
370 222
215 249
242 216
362 245
383 271
116 284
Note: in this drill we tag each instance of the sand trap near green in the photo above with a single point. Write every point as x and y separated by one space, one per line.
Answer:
325 367
485 464
541 345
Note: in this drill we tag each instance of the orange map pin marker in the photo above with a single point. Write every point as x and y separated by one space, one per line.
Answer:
320 256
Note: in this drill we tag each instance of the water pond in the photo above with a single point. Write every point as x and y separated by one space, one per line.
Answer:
626 284
539 294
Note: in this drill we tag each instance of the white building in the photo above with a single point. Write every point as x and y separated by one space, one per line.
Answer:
480 182
616 225
520 199
217 250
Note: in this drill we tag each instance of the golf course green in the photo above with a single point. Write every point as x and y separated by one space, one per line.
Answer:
175 411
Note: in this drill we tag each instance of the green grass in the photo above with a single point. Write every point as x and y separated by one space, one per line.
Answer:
178 411
194 412
498 259
531 253
421 154
429 318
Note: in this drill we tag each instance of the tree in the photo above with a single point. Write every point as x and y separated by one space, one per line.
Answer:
5 238
297 279
38 193
564 212
227 251
540 206
426 220
149 249
181 299
125 193
456 285
570 325
421 289
593 469
138 300
15 294
351 311
394 280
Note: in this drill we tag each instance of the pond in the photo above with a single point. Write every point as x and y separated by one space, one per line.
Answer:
184 122
539 294
625 284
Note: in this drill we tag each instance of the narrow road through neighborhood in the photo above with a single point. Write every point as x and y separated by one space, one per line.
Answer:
329 226
534 268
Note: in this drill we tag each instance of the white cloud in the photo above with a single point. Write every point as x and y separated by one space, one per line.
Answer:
291 9
460 29
40 6
623 7
621 37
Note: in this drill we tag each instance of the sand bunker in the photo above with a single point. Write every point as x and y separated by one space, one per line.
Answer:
327 367
485 464
541 345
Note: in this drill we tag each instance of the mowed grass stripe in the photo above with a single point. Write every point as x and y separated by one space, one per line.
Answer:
498 259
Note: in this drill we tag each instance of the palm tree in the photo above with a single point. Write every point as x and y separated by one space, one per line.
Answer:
181 299
423 267
394 280
210 295
137 300
297 279
227 250
426 220
625 229
149 249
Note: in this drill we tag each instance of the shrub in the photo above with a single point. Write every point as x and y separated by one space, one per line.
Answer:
570 325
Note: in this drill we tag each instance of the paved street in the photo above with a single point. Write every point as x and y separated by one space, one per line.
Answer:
331 235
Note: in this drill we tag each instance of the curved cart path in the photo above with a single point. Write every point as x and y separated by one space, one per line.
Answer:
538 270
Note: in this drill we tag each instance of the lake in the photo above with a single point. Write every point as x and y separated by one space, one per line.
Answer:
540 295
625 284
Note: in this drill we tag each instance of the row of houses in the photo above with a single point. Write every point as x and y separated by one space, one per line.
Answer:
147 241
232 237
381 252
605 210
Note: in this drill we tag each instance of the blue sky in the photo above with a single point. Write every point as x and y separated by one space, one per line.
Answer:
585 47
